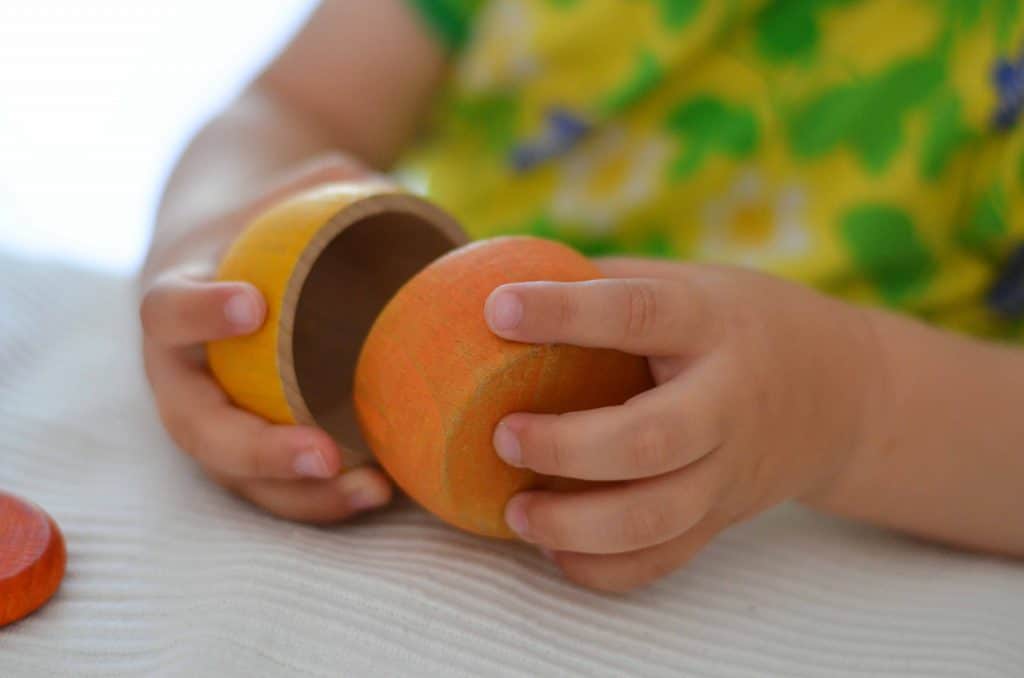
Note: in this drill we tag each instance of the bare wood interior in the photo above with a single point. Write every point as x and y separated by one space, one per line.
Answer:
351 280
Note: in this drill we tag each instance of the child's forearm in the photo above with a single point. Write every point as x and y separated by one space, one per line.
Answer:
231 158
356 79
943 454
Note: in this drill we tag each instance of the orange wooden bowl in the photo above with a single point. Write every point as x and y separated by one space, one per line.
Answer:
32 558
326 261
433 381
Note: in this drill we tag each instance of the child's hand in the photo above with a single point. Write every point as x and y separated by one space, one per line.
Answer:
762 396
291 471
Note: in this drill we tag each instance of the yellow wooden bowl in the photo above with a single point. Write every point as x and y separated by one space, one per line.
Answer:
327 261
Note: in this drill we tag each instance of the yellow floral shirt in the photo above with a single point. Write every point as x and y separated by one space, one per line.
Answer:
871 148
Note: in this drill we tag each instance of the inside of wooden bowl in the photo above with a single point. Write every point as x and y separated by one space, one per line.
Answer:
356 269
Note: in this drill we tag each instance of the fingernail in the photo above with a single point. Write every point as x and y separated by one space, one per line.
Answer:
311 464
506 444
358 495
242 311
547 553
515 517
506 311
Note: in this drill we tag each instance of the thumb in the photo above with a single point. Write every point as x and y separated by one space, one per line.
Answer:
179 311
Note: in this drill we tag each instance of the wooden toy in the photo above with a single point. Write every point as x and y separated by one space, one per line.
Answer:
372 289
32 558
433 381
326 261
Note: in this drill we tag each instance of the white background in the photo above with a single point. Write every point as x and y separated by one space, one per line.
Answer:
96 101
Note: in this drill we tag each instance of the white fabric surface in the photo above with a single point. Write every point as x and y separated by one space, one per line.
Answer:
169 576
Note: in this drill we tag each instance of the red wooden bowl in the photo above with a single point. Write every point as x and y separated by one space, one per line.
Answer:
32 558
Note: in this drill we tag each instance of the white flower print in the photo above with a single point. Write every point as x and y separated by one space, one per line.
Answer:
754 224
607 176
504 53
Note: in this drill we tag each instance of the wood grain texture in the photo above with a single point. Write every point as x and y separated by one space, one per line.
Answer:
32 558
326 261
433 380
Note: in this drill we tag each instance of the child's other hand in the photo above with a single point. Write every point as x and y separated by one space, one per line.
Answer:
291 471
762 396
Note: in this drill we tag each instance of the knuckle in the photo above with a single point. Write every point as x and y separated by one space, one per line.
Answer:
642 525
202 448
558 459
642 309
716 428
149 312
186 434
567 308
702 312
650 450
549 524
331 165
255 461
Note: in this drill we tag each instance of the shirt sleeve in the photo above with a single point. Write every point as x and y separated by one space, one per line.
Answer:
450 21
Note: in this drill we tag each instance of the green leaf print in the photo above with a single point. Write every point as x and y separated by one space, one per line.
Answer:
656 244
576 236
986 224
876 142
787 30
964 13
908 83
824 123
491 117
676 14
652 240
451 20
709 125
947 132
866 115
647 74
887 250
1007 13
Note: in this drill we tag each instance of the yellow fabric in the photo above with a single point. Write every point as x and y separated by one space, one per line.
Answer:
862 146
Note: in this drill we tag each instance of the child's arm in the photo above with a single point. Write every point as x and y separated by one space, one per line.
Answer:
944 456
767 391
347 91
355 80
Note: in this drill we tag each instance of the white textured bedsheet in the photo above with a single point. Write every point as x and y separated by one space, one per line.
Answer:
170 576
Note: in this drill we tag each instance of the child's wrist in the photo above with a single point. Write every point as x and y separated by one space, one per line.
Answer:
873 404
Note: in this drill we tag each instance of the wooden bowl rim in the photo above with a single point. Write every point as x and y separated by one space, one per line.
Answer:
392 200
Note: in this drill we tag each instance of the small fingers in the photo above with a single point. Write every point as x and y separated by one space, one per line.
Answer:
318 501
620 518
622 572
657 432
230 441
644 316
178 312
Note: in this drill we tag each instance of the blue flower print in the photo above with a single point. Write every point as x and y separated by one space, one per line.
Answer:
562 131
1008 78
1007 295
